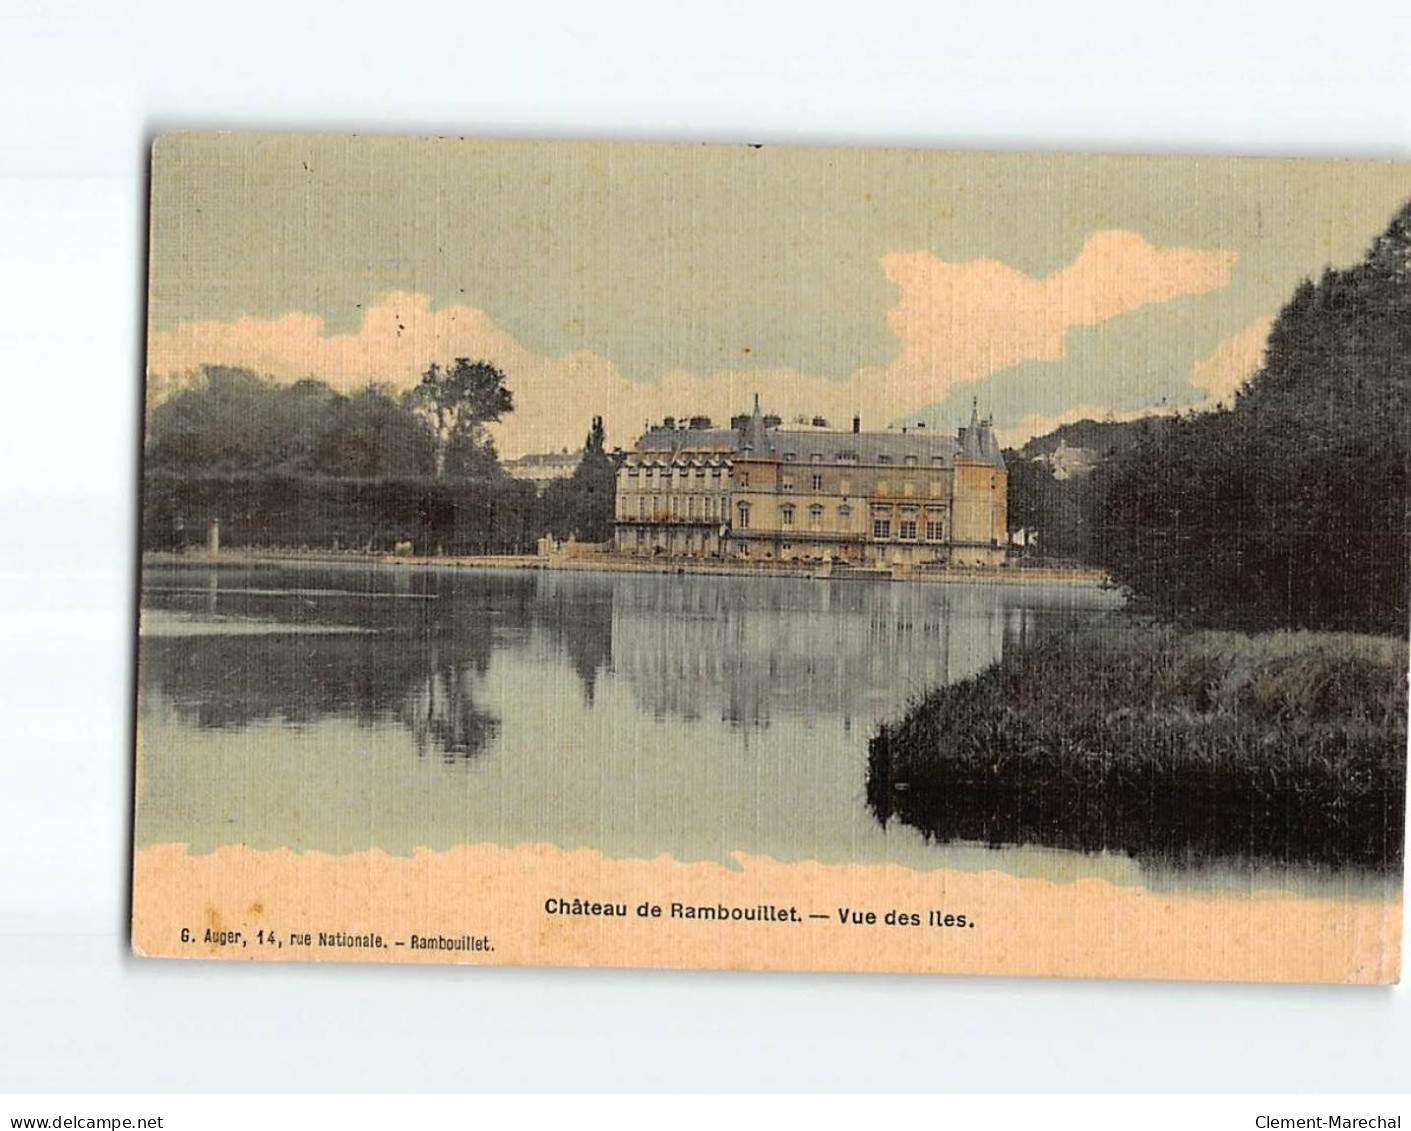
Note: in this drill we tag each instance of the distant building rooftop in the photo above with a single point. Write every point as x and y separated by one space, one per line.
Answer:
542 468
546 459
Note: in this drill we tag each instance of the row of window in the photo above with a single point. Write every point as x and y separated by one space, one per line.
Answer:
709 507
665 475
884 522
882 457
787 514
667 472
908 488
906 530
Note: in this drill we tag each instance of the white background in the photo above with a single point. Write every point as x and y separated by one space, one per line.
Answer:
82 89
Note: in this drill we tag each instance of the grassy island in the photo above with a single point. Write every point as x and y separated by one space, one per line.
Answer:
1170 745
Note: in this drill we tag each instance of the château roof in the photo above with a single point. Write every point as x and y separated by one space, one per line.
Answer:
863 447
689 440
915 446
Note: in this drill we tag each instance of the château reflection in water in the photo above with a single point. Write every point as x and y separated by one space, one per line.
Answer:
850 649
228 647
346 707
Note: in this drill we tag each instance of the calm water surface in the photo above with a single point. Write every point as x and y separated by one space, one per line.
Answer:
340 708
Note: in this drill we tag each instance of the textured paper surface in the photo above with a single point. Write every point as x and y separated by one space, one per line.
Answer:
975 563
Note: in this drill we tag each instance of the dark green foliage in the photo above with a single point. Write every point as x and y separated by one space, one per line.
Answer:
1101 436
303 466
1290 508
1029 485
583 505
1056 511
269 511
371 434
458 402
1175 747
235 421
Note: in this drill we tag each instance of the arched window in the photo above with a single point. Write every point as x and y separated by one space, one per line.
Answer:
815 517
787 513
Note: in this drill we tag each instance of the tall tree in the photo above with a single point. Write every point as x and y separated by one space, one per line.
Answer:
1289 508
460 401
582 505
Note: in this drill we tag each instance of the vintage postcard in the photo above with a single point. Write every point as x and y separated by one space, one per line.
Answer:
774 558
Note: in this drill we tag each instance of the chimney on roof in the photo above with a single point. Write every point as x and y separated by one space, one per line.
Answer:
856 424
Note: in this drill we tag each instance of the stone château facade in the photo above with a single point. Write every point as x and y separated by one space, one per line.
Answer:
759 492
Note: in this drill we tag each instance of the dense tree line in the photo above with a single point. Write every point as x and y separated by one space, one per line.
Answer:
1057 520
289 465
1290 507
232 420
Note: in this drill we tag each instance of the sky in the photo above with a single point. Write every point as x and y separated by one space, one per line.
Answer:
635 281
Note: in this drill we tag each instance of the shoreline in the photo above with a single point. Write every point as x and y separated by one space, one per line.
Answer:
613 563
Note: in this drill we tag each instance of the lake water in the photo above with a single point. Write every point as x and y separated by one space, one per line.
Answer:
341 708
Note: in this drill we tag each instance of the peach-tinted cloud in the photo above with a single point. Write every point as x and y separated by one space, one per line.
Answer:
1232 363
555 397
399 337
955 322
960 322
